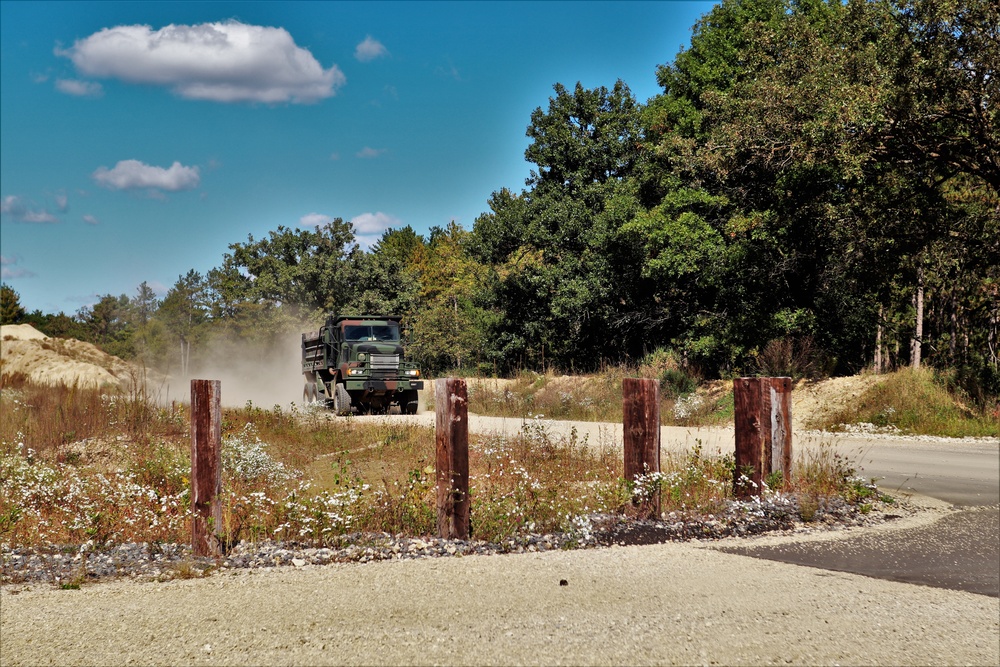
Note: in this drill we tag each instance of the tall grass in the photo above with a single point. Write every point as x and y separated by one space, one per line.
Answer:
53 418
914 402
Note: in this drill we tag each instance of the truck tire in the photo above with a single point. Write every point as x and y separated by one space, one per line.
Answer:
309 393
408 402
341 400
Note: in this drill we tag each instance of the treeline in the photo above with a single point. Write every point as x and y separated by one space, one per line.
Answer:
814 191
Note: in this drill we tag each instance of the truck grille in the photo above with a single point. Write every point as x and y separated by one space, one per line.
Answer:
385 362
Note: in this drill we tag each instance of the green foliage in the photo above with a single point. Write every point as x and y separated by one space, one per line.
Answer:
556 259
306 268
444 332
11 311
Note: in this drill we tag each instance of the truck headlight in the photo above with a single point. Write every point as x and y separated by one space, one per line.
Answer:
362 356
355 371
413 373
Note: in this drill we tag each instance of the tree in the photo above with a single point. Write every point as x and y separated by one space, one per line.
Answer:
562 277
300 268
383 280
183 311
144 303
108 325
445 327
819 130
11 311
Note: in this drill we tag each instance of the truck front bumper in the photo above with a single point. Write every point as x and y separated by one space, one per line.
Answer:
383 385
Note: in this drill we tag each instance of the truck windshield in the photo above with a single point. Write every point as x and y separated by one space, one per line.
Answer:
379 332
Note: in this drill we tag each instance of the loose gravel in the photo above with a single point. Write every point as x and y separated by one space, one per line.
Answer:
72 565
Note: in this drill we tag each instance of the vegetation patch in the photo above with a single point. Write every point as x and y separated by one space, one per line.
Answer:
914 402
303 479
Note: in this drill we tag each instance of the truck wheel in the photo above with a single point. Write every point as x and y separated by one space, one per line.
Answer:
408 402
341 400
309 393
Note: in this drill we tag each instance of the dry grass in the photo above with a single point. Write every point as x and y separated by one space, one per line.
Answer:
914 402
910 402
598 397
52 419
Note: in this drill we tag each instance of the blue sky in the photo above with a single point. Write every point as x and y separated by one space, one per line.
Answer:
139 139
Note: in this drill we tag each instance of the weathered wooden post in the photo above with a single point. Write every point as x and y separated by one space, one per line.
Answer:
451 400
748 475
780 405
763 423
206 467
641 428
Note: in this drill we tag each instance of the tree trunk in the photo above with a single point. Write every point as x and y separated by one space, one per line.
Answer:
878 344
918 302
953 329
992 337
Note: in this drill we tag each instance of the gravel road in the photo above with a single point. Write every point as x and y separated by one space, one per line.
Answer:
676 603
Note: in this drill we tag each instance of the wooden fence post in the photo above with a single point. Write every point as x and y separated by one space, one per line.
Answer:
749 437
206 467
780 390
763 423
641 429
451 400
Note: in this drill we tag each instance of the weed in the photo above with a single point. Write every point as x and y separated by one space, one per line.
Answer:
914 402
188 569
808 507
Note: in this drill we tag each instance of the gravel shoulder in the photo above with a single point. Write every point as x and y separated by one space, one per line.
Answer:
675 603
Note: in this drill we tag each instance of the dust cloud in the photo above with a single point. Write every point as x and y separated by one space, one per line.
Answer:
268 374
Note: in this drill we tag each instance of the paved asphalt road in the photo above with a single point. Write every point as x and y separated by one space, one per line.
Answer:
961 551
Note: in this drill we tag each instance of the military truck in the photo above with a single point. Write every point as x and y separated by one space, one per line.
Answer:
355 364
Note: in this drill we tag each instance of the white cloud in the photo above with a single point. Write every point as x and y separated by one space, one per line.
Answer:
91 220
449 72
368 152
370 49
374 223
79 88
132 175
7 272
221 62
15 208
62 201
158 288
315 220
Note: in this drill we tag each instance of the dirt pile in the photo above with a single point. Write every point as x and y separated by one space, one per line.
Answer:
813 401
60 361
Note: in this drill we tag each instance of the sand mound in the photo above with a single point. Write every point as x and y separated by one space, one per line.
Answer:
21 332
60 361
